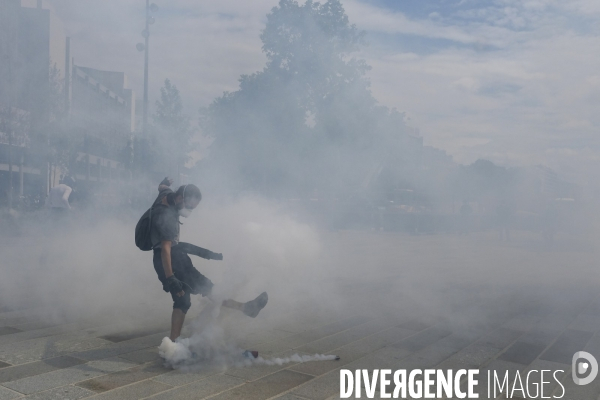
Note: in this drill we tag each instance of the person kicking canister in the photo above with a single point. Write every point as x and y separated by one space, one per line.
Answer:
171 261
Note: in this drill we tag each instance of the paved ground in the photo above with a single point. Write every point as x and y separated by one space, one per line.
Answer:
509 306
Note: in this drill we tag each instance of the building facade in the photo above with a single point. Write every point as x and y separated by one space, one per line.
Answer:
56 117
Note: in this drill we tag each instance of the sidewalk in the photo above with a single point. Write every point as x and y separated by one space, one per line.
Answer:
78 359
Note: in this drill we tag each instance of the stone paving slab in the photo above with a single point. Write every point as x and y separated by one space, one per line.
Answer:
61 393
320 388
6 394
125 377
14 321
471 357
555 321
254 372
181 378
320 367
135 391
459 340
109 350
43 332
570 342
113 364
303 321
414 325
7 330
540 336
142 356
147 341
354 351
500 338
54 379
269 335
521 323
593 346
522 352
289 396
16 317
587 323
299 339
63 362
209 386
387 357
423 339
108 329
265 387
37 368
339 339
119 337
433 355
40 324
38 349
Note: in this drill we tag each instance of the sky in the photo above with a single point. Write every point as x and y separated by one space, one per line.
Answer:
515 82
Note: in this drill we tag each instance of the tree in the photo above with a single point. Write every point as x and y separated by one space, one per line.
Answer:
307 120
172 131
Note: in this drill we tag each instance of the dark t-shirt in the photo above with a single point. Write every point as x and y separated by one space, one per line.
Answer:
165 220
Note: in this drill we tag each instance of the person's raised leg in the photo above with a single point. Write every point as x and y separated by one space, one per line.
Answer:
236 305
250 308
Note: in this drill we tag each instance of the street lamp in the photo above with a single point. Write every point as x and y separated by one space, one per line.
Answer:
150 8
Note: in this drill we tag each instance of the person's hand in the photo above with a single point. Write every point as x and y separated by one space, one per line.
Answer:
167 181
174 285
216 256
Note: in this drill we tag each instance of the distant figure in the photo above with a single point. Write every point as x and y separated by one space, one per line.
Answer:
504 215
58 198
69 181
465 217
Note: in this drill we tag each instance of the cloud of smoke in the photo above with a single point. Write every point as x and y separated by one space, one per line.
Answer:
208 348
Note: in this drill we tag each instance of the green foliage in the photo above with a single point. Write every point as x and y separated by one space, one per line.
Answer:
307 120
484 178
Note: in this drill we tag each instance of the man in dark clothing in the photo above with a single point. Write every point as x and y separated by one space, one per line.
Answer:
171 261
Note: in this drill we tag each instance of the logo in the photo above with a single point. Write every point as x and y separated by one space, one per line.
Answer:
585 368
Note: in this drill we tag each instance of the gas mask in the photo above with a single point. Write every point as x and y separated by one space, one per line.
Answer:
185 212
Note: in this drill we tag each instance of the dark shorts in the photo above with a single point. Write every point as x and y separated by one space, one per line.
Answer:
183 269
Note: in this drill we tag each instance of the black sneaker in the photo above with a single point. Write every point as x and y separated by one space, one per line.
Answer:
253 307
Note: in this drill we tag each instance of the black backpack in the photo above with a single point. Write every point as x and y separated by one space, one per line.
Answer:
143 230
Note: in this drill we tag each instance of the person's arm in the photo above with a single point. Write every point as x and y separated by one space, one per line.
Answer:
165 254
165 184
189 248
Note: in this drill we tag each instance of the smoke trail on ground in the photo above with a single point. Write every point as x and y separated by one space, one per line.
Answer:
201 350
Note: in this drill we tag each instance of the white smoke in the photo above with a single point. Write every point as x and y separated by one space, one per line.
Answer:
208 346
185 353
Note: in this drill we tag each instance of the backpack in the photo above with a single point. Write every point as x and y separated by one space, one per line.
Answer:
143 231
